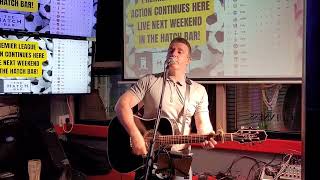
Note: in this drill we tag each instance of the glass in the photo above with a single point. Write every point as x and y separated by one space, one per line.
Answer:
34 169
273 107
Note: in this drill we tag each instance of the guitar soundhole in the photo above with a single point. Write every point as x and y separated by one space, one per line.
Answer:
165 127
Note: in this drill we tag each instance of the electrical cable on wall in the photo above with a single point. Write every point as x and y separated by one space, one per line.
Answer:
64 126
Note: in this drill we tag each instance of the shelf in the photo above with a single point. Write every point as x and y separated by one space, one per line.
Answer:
106 64
277 146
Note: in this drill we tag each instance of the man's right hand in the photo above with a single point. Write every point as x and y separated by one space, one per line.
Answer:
139 145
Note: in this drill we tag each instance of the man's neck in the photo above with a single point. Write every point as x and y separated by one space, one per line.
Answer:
177 76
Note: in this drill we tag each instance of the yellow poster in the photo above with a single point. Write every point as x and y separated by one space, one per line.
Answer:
21 59
155 24
20 5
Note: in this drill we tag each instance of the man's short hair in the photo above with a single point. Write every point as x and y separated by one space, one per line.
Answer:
181 40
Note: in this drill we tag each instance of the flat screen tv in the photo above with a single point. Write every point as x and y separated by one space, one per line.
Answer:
235 39
59 17
41 65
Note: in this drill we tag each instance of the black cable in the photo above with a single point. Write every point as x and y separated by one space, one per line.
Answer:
274 157
265 164
236 160
252 168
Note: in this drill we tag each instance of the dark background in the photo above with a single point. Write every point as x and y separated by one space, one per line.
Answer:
312 90
109 31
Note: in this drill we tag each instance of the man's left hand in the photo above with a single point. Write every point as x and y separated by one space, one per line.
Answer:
209 144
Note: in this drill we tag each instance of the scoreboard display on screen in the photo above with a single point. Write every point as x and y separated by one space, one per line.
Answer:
59 17
38 65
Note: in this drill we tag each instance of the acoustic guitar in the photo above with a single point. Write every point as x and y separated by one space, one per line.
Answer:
119 147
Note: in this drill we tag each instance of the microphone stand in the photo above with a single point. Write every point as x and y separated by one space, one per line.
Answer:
150 157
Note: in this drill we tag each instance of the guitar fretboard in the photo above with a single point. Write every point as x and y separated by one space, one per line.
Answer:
182 139
188 139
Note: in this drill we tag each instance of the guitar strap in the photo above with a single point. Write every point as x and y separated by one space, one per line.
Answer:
186 100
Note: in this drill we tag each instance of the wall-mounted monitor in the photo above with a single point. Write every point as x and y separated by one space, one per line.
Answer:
230 38
40 65
59 17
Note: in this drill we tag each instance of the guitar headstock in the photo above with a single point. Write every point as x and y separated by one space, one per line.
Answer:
249 136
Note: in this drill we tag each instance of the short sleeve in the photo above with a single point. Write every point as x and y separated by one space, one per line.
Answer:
140 88
202 105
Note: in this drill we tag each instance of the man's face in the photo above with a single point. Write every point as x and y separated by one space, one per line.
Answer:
179 53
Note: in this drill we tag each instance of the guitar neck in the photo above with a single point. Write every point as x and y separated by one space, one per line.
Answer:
188 139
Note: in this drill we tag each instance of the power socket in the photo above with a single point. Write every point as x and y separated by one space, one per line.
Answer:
62 119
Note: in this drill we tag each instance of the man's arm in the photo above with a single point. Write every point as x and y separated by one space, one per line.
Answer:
203 123
204 126
124 113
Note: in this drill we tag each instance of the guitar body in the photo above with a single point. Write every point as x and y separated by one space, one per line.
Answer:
119 148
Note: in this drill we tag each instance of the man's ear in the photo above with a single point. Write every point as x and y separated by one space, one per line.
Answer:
189 60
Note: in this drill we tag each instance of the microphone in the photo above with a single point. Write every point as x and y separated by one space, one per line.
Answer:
170 61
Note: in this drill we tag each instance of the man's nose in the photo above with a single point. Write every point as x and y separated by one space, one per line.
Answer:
174 53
